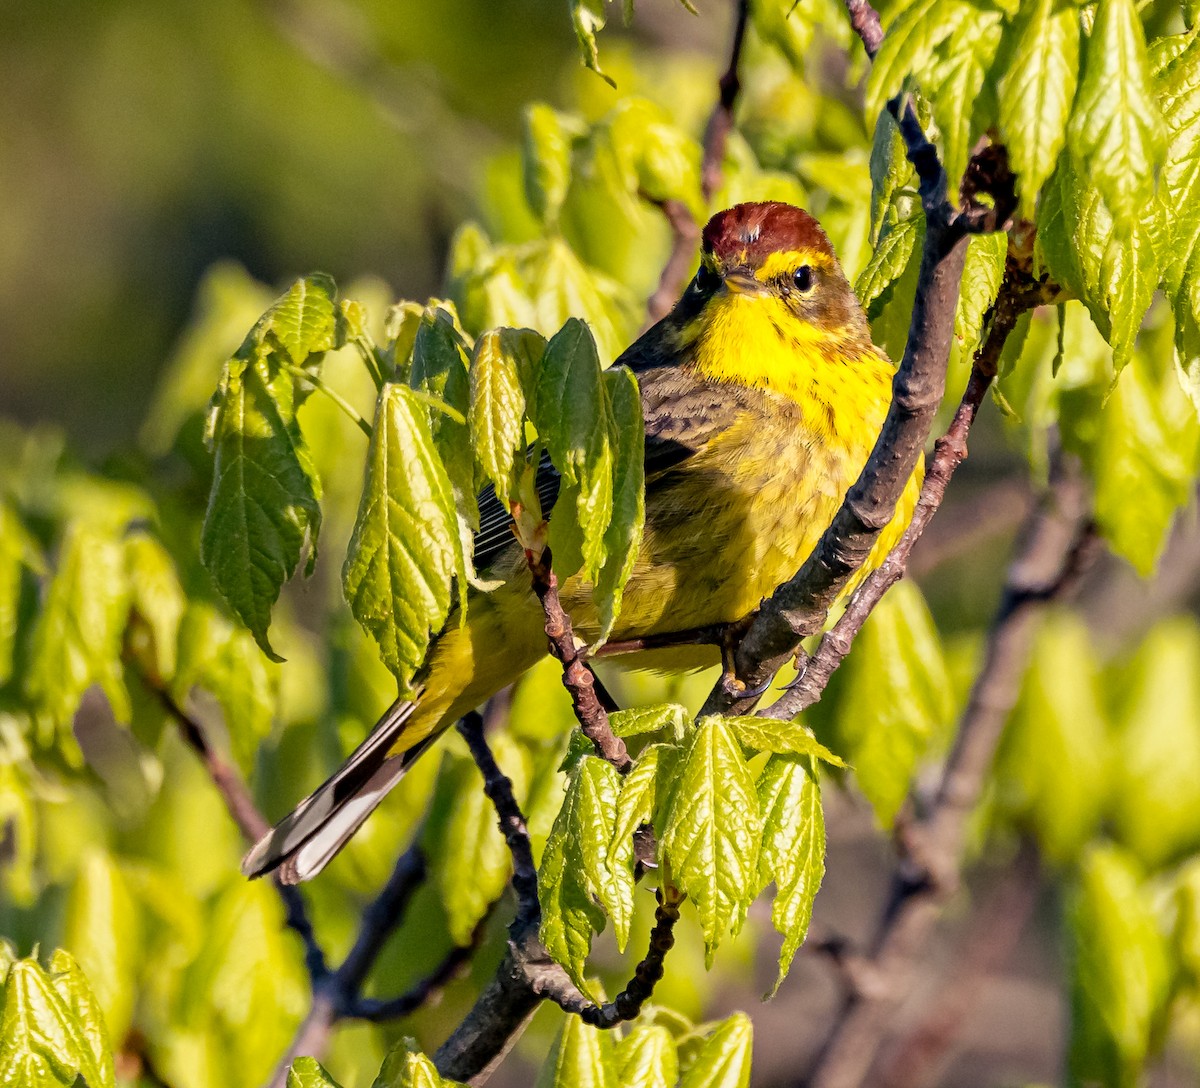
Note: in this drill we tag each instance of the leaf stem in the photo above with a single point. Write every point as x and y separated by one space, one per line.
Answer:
337 398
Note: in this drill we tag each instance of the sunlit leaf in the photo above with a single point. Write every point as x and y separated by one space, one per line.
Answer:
712 831
406 549
407 1067
309 1073
501 368
646 1058
724 1059
581 1057
787 738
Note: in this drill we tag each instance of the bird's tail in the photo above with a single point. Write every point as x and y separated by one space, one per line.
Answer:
306 840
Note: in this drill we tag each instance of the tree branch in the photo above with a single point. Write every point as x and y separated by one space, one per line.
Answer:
1019 292
798 608
1057 547
685 231
577 677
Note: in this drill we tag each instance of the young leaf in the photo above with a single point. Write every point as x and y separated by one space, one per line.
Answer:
569 912
588 18
77 637
102 927
501 368
1120 980
569 412
724 1059
470 860
546 159
786 738
43 1043
309 1073
264 509
72 986
983 272
1036 92
649 719
581 1057
610 877
1156 811
889 699
1116 133
908 46
18 553
406 549
440 363
712 831
890 173
646 1058
158 598
643 791
1051 769
897 242
793 847
623 537
218 657
407 1067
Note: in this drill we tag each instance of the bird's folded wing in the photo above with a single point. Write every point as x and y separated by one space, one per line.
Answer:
682 415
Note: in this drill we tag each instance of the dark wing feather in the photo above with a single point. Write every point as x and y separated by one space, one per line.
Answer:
682 414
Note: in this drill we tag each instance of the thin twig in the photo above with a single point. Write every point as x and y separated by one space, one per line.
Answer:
577 678
1057 547
685 231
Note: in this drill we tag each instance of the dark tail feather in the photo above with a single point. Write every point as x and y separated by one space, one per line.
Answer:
305 840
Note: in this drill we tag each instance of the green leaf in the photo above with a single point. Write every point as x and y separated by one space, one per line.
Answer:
787 738
889 700
609 877
440 367
956 84
1036 93
406 549
72 986
891 172
569 910
588 18
644 793
1116 133
623 537
1051 769
710 841
1120 978
45 1040
897 243
158 599
470 860
18 553
76 641
218 657
569 412
724 1059
646 1058
649 719
581 1057
264 509
911 37
1146 450
1156 810
309 1073
983 272
793 848
546 159
102 929
501 369
407 1067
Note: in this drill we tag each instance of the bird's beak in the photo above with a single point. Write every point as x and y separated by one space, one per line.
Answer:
741 281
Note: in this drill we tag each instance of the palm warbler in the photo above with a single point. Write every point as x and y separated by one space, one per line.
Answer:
762 396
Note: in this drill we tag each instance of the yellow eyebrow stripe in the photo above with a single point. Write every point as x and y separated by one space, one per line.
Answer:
777 264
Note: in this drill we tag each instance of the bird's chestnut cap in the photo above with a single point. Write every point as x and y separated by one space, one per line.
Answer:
747 233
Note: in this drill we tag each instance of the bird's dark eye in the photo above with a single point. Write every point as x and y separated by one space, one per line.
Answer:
803 278
706 280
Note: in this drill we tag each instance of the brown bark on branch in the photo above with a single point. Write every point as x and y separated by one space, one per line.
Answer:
1056 548
577 677
798 608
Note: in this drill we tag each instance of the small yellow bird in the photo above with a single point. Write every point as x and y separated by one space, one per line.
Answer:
762 396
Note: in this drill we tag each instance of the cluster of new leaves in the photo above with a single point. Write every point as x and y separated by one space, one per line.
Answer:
52 1032
1098 117
724 830
1098 766
450 415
